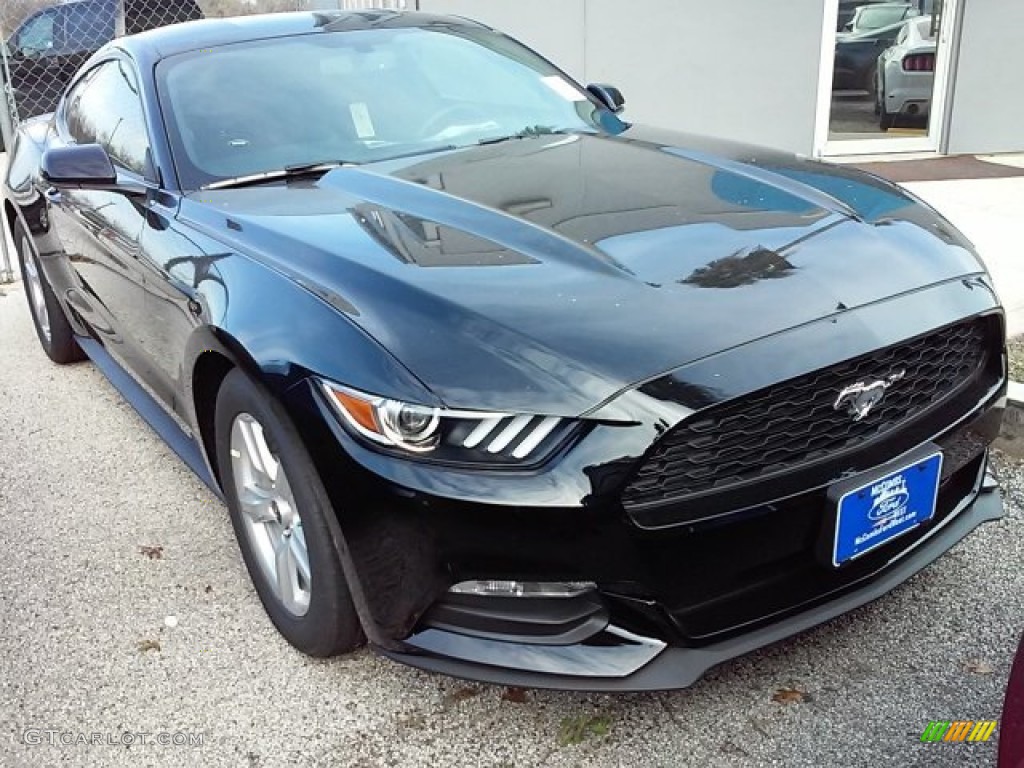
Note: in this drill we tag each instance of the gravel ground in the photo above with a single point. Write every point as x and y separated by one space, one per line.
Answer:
1015 347
85 644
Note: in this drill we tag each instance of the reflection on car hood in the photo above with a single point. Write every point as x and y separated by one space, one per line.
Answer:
547 274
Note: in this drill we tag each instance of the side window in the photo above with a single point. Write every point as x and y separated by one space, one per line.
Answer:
104 108
71 113
37 33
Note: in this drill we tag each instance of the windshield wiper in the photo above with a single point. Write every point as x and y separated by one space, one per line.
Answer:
288 172
529 132
417 153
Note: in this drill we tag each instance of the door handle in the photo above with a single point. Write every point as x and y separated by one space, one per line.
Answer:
53 196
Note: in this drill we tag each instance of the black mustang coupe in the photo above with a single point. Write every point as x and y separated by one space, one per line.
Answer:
492 379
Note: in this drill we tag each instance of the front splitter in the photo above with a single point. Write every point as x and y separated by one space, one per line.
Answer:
674 667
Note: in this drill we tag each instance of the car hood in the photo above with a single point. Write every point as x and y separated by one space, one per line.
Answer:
548 274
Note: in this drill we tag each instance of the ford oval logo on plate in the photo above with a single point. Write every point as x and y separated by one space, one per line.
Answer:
886 507
889 505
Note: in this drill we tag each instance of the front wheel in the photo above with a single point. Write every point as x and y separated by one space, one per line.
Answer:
52 326
281 515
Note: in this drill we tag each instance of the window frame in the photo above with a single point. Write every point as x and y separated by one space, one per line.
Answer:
150 174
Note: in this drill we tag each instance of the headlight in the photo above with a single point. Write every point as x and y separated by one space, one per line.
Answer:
477 437
390 422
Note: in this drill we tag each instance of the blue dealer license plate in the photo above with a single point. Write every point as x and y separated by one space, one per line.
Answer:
878 512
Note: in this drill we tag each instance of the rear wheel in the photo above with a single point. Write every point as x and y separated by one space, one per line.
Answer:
282 519
52 327
885 119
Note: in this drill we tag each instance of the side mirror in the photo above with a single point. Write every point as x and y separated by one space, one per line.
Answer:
608 95
81 166
86 166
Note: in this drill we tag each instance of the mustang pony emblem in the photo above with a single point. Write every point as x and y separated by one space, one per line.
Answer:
861 397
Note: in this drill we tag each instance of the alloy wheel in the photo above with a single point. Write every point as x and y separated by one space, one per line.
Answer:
270 515
35 288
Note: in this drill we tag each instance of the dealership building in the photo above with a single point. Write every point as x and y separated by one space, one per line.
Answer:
763 72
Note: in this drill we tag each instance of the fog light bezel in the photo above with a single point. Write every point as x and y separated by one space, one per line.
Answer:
558 590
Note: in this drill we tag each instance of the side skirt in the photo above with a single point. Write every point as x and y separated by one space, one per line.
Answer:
151 412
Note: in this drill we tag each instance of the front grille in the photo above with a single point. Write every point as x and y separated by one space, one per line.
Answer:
795 423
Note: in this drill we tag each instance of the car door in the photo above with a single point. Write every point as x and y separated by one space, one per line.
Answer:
181 280
98 229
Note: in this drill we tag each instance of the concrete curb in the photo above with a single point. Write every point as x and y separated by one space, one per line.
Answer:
1011 436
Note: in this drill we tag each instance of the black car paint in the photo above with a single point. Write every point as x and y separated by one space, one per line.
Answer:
629 280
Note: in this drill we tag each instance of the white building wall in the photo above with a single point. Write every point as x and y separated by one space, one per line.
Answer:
987 108
744 70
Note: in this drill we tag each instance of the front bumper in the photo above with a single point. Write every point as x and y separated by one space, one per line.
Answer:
671 602
676 594
647 664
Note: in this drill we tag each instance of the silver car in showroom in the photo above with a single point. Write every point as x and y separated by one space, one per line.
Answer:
906 72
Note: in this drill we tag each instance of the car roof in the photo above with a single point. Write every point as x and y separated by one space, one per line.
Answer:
160 43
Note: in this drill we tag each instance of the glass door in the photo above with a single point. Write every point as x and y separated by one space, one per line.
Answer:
885 66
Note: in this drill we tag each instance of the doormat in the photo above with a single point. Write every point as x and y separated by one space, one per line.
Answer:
941 169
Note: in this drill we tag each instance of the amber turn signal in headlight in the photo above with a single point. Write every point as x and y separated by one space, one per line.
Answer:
456 436
403 425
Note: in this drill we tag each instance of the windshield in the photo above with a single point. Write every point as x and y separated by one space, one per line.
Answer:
882 16
358 96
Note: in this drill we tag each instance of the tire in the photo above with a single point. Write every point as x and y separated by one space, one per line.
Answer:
287 511
870 83
885 120
52 327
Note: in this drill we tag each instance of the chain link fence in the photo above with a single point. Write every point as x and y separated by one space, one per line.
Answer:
44 42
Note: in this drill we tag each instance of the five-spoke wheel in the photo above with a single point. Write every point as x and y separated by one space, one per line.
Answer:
284 520
271 515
